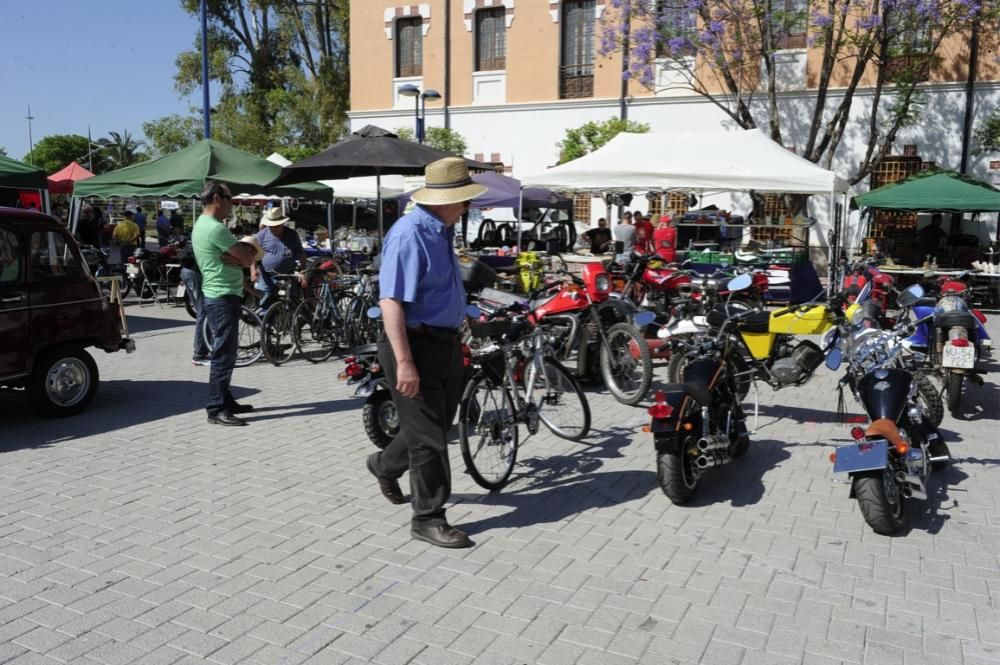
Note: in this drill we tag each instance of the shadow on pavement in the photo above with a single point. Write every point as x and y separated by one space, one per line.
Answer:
741 482
146 324
930 515
122 404
979 402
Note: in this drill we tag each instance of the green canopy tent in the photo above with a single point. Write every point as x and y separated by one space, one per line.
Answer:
18 175
940 191
183 174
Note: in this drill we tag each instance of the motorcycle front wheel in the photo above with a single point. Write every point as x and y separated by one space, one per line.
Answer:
880 501
930 398
626 364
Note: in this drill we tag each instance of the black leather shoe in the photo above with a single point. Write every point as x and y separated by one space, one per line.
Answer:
389 486
226 418
241 408
442 535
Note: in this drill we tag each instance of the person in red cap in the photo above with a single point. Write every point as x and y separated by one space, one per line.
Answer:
643 234
665 239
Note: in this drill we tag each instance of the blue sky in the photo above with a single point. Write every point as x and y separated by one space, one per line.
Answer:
106 63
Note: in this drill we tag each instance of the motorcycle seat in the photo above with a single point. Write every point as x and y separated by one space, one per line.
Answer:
699 393
951 319
756 323
365 350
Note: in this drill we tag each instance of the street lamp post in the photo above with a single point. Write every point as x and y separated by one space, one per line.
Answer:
419 106
31 141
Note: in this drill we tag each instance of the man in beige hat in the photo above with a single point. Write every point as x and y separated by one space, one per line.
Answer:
282 248
423 306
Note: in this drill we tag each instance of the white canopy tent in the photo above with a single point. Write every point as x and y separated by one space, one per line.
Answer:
702 162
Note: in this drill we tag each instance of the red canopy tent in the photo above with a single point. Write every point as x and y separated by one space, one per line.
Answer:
61 182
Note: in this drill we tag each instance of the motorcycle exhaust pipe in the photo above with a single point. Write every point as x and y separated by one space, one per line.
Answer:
706 445
707 461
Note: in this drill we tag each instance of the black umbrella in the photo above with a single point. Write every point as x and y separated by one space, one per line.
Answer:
369 151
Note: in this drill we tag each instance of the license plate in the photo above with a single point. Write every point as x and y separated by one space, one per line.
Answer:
959 357
863 456
181 290
132 270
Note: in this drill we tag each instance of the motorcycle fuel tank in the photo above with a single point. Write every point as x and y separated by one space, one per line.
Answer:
884 393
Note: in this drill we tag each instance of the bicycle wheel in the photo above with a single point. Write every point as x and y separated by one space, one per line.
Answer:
561 404
488 432
248 350
315 332
360 328
276 333
626 364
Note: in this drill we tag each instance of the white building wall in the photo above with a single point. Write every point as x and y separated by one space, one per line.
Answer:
526 135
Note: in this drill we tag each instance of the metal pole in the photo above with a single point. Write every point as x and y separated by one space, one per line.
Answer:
31 142
90 151
970 89
626 34
378 189
205 102
417 125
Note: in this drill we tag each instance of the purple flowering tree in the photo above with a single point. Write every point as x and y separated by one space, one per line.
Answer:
729 51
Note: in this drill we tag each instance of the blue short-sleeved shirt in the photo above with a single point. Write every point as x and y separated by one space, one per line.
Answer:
280 253
420 269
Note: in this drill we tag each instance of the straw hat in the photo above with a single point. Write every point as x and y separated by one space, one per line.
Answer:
274 217
447 181
252 240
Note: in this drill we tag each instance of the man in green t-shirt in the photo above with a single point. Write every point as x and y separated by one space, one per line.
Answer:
221 259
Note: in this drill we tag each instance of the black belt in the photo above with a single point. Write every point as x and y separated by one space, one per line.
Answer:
435 333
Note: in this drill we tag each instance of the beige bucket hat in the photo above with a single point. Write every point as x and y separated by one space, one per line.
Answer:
252 240
447 181
274 217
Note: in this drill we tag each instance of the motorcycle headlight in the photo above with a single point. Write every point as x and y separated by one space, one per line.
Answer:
602 283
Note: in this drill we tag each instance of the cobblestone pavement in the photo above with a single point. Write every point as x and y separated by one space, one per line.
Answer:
136 533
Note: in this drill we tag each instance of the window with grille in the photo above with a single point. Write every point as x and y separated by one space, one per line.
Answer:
576 73
677 203
491 39
409 47
909 45
791 21
581 208
678 25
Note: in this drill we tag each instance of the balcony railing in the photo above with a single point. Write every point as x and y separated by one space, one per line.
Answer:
576 81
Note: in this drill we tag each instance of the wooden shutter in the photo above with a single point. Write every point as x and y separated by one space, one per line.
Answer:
409 47
491 39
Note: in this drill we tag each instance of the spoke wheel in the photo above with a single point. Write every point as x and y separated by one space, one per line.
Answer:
626 364
279 347
316 333
560 402
488 433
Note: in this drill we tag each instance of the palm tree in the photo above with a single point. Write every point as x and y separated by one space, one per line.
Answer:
122 150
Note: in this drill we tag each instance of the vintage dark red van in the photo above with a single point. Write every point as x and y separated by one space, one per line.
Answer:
51 310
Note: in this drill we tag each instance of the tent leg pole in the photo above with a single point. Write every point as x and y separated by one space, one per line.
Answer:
520 217
329 224
378 191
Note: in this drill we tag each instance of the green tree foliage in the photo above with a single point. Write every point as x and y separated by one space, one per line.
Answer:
120 149
986 136
441 138
171 133
279 72
592 135
56 151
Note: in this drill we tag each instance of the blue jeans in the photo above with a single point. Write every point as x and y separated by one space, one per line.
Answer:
223 316
192 284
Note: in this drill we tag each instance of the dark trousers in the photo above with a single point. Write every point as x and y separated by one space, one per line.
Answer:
125 251
422 443
223 316
192 285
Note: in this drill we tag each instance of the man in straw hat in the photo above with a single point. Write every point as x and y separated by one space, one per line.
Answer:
282 248
221 259
423 305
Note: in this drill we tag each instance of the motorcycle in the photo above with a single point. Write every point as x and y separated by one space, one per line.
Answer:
891 459
865 276
379 414
699 423
582 316
952 337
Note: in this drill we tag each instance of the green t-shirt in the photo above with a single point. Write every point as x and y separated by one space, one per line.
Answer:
211 239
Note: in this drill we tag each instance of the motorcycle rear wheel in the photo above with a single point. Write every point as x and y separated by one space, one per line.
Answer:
381 418
627 377
953 390
676 475
880 501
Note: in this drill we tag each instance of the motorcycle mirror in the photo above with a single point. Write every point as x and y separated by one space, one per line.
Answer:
740 282
834 358
910 295
473 312
374 312
643 319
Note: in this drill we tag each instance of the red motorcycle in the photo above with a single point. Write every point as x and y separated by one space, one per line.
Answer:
582 315
859 275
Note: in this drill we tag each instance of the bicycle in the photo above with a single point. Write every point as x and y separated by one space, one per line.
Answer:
360 329
249 348
517 382
279 319
320 321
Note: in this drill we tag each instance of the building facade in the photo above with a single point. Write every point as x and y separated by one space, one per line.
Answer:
514 75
